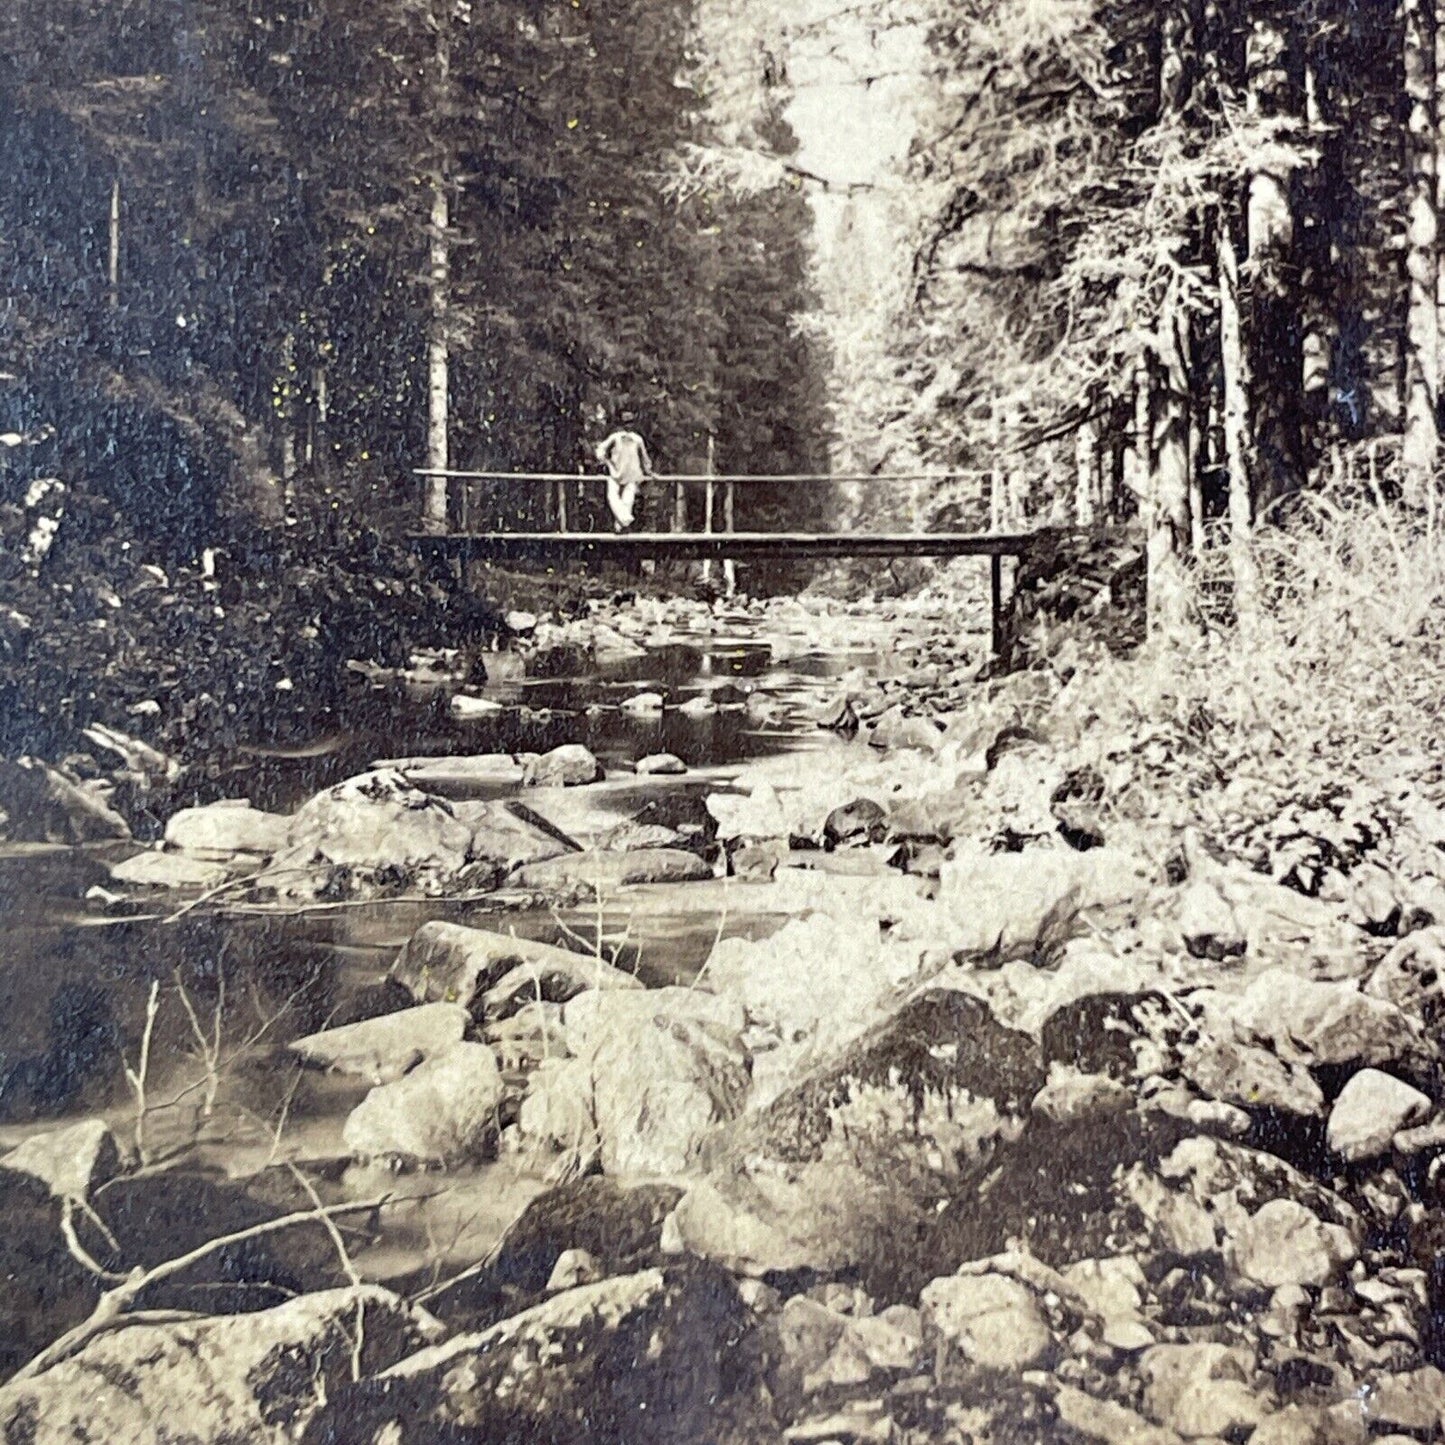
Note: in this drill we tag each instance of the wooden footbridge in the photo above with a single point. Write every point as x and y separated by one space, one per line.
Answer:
472 527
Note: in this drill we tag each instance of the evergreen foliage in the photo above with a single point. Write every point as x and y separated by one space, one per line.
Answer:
266 336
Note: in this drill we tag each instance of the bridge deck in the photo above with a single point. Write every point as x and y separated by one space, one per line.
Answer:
705 546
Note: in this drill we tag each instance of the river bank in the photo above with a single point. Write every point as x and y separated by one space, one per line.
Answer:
1054 1053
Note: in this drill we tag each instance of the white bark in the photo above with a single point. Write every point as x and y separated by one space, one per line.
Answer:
1235 367
1422 347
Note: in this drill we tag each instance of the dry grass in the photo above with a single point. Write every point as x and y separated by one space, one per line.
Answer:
1334 687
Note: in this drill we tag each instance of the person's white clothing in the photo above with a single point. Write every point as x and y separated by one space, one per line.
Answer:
624 454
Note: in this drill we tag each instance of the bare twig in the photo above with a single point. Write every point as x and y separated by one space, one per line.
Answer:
78 1251
136 1077
358 1340
110 1314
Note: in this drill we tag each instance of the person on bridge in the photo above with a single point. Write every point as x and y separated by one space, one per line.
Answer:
624 454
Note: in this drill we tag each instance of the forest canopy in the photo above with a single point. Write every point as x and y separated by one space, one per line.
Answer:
220 242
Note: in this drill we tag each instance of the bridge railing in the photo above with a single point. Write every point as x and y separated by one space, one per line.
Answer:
719 489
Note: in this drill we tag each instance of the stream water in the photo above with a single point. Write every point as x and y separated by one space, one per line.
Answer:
222 1094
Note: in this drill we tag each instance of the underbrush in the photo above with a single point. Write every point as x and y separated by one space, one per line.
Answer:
1324 703
193 654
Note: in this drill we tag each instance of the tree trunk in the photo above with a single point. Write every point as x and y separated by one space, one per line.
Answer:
1142 481
1086 468
434 518
1201 404
286 420
997 485
1234 366
1053 484
1422 347
1438 160
1166 498
113 259
1273 335
1322 202
320 409
1169 533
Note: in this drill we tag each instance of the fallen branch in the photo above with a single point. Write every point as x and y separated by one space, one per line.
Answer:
109 1313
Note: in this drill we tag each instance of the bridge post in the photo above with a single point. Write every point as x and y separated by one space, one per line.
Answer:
707 501
995 603
730 567
561 506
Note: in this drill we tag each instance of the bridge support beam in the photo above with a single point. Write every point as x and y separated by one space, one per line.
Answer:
995 604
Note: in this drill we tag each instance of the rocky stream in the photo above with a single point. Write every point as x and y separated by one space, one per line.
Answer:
725 1023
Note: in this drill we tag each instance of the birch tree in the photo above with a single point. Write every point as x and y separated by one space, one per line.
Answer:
1421 382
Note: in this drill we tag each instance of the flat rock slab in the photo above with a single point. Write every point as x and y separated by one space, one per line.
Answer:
383 1049
457 774
168 870
600 871
219 830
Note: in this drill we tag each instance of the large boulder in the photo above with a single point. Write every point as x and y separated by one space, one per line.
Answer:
993 1320
218 831
818 975
485 971
1252 1077
896 729
557 1111
1204 1389
749 816
1412 974
1371 1109
662 1078
569 766
1314 1022
1013 901
383 1049
643 1359
371 833
1208 1196
653 1073
443 1111
843 1166
258 1377
1286 1243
